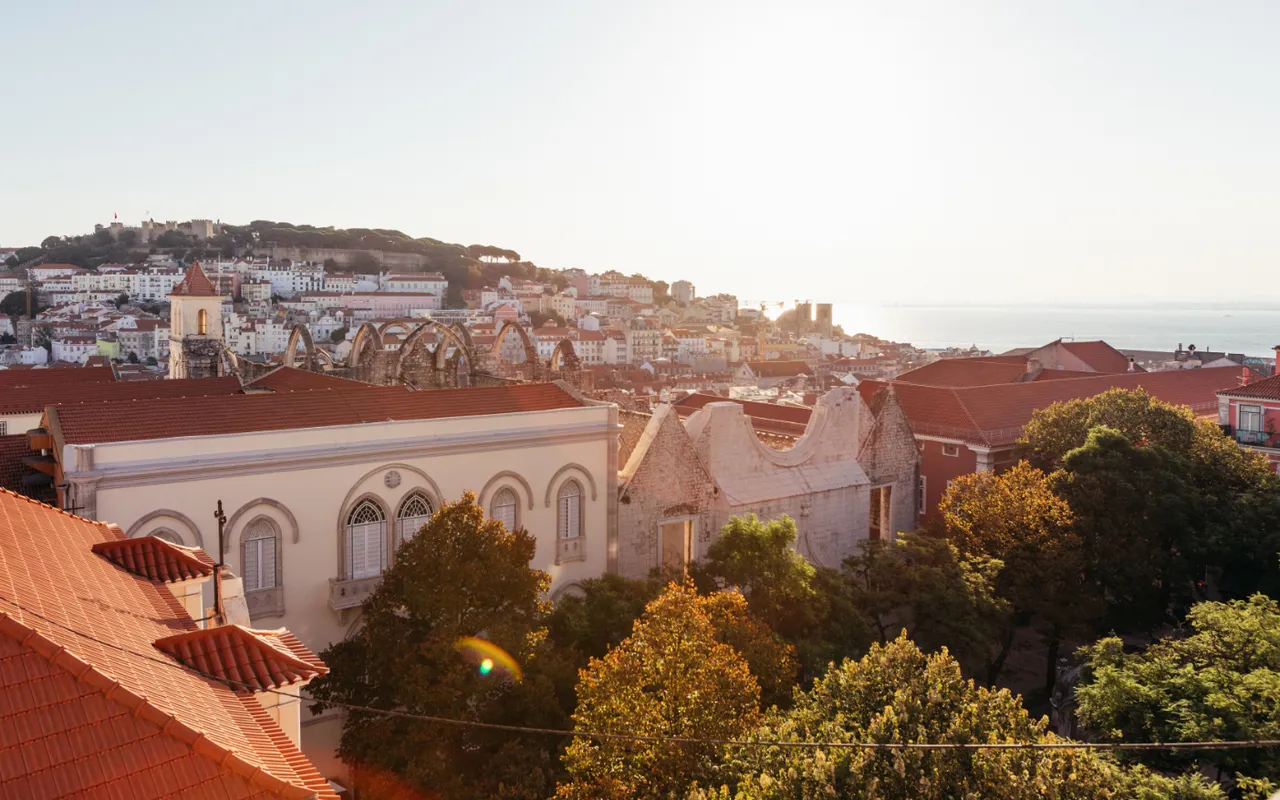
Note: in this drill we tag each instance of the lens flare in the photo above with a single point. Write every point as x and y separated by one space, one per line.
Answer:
488 657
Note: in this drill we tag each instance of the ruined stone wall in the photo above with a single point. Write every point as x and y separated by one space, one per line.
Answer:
829 523
202 358
663 478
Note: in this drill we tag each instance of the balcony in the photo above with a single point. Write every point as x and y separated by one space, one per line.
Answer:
571 549
351 592
1255 438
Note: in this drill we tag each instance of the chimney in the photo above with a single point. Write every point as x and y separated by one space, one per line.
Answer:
1131 366
1243 380
1275 367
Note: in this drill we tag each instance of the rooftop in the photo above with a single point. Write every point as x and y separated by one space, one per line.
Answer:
779 369
1265 389
21 378
91 707
36 398
195 284
166 418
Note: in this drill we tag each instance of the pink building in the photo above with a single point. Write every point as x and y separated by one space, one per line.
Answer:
1251 413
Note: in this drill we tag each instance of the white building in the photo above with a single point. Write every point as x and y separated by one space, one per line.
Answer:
683 292
75 349
429 282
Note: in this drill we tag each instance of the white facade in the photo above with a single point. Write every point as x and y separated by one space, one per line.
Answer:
431 282
683 292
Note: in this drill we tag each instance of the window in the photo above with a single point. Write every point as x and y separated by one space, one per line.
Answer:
922 495
366 540
1250 418
258 555
951 449
415 512
503 508
4 427
676 542
569 517
202 322
881 512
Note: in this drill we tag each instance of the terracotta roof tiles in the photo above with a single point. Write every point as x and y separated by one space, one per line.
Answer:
194 284
966 372
291 379
13 449
1099 355
206 416
779 369
26 378
242 657
156 559
37 398
1265 389
89 707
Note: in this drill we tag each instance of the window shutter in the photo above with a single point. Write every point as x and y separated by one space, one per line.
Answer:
574 505
267 562
358 563
250 565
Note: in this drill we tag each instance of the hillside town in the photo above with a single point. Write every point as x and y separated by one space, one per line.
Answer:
255 442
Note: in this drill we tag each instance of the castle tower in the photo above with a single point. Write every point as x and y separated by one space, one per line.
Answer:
195 327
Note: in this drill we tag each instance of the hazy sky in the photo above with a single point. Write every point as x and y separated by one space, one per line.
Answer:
842 151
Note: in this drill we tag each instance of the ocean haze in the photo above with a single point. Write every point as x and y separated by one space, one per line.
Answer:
1209 326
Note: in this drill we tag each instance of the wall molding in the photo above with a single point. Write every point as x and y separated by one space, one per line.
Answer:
570 467
136 528
493 483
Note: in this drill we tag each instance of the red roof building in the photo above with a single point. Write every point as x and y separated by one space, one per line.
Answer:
1251 413
195 284
96 704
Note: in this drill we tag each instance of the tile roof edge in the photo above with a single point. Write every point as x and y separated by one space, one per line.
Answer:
168 723
106 526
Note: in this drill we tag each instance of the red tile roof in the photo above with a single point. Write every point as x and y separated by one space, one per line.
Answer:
1059 374
994 415
966 372
779 369
195 284
205 416
767 417
156 559
243 657
291 379
37 398
23 378
1265 389
90 708
1099 355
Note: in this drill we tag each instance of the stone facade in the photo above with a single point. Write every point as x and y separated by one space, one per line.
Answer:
853 475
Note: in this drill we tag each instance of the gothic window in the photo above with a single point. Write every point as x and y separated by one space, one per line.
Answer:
366 540
503 508
415 512
202 322
258 555
569 516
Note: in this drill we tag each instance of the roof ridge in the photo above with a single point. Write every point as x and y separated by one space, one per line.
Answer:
968 414
168 722
103 525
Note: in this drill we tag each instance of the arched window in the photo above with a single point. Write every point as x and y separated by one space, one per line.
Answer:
569 518
415 512
503 508
366 540
202 322
258 555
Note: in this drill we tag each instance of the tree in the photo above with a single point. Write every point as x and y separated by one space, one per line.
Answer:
758 559
151 361
1017 518
42 336
8 338
671 677
12 261
339 335
14 304
122 300
538 319
459 576
1220 681
602 616
132 357
50 242
173 239
896 693
364 263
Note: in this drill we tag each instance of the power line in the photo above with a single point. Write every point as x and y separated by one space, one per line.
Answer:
629 737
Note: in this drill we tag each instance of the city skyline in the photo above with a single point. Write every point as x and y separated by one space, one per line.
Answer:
922 154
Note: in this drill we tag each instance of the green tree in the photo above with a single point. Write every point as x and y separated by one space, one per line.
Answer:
758 559
1220 681
671 677
50 242
601 616
152 362
1017 518
121 300
14 304
173 239
339 335
12 261
459 576
1234 491
897 694
133 357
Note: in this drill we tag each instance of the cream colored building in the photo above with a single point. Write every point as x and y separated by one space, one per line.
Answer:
317 499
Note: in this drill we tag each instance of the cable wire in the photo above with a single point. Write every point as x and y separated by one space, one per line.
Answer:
682 740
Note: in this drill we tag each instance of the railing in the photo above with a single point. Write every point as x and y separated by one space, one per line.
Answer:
1257 438
351 592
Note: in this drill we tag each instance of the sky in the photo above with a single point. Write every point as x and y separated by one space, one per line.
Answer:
848 152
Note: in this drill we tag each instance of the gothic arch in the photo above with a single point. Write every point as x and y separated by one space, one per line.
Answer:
323 355
364 346
395 323
265 501
496 480
530 352
564 350
139 528
446 334
570 467
303 334
465 333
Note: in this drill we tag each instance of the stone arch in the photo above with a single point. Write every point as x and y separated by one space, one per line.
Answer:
569 589
433 489
417 362
465 332
326 357
530 352
564 357
139 528
294 531
446 335
395 323
570 467
301 333
364 346
497 480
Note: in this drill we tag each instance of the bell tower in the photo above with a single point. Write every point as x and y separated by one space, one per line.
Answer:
195 327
